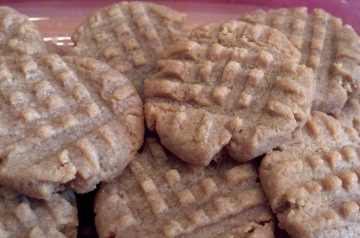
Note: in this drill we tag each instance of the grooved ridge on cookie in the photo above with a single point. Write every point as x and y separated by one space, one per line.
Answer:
330 48
129 36
24 217
312 180
65 120
158 195
18 35
235 85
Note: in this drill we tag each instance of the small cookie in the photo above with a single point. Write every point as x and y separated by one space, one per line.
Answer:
312 180
22 216
129 36
248 96
158 195
65 120
18 35
330 48
350 114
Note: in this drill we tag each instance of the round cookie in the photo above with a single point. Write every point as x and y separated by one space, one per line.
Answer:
22 216
248 96
312 179
330 48
18 35
158 195
64 121
129 36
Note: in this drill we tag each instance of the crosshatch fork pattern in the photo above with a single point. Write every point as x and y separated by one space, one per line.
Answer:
130 36
227 94
170 199
22 216
321 198
327 45
68 120
18 35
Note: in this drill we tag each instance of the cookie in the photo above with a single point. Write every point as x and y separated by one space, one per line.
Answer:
22 216
18 35
65 121
247 98
350 114
129 36
158 195
312 180
247 35
330 48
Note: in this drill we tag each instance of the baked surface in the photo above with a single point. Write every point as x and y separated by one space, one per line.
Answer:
158 195
312 180
328 46
216 92
24 217
18 35
65 120
129 36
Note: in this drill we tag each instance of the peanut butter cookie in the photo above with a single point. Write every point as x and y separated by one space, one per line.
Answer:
158 195
65 121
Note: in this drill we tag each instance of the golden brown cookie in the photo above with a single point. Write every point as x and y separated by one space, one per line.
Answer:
18 35
248 96
24 217
65 120
158 195
330 48
129 36
312 179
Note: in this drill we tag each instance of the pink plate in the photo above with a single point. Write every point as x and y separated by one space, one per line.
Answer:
58 19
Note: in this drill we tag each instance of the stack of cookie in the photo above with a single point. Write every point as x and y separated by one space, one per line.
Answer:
251 124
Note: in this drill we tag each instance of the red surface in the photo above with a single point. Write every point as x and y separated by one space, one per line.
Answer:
58 19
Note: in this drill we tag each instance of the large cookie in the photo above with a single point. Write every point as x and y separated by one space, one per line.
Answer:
65 120
312 180
248 96
18 35
327 46
158 195
24 217
129 36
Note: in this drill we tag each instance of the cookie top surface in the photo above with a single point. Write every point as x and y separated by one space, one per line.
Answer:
350 113
24 217
312 180
18 35
65 120
129 36
327 46
158 195
248 96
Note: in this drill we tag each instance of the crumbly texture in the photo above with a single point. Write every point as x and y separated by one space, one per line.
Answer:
248 96
65 121
129 36
24 217
158 195
330 48
312 180
350 113
18 35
